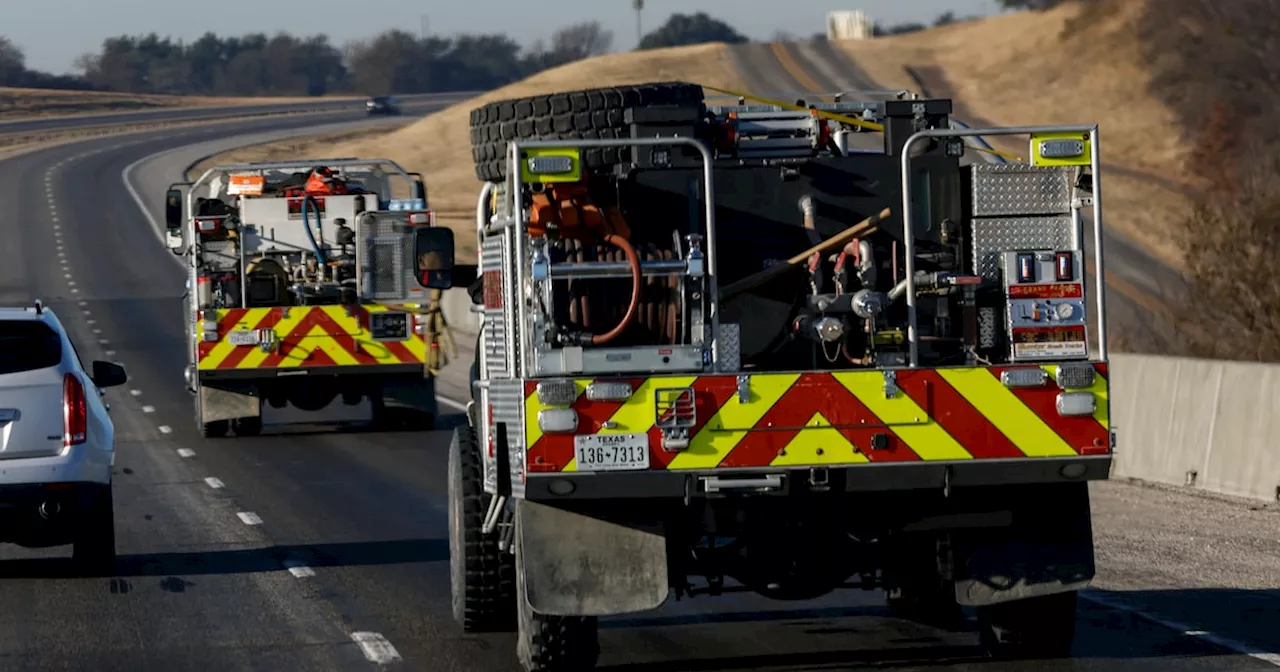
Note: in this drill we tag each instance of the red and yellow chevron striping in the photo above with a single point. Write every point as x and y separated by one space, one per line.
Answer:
309 336
813 419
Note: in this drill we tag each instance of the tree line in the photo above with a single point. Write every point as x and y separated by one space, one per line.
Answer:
394 61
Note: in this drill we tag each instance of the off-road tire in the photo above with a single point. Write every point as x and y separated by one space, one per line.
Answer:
1034 628
574 115
214 430
94 545
554 643
482 577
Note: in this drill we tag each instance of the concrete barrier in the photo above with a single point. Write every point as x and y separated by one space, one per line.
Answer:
1205 424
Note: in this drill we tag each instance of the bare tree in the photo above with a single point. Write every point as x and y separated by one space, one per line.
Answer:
13 63
581 40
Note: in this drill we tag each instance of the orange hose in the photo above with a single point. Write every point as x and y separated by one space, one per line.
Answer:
634 260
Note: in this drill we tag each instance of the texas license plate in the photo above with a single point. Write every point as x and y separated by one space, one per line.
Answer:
611 452
240 337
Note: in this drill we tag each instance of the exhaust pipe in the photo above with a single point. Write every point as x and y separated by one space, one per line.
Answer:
49 509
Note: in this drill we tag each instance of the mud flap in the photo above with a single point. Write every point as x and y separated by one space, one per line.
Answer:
1047 550
219 404
578 565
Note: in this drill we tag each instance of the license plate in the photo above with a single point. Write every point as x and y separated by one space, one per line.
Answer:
611 452
242 338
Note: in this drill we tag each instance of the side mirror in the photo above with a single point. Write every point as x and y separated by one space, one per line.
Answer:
108 374
173 209
433 255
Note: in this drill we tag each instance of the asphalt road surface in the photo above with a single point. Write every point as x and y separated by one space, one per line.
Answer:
409 105
280 552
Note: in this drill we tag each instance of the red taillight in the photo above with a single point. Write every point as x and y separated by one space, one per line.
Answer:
75 414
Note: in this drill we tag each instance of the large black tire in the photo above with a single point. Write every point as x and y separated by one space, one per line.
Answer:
1034 628
94 546
554 643
573 115
482 577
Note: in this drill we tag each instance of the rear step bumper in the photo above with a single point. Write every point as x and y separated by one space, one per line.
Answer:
789 480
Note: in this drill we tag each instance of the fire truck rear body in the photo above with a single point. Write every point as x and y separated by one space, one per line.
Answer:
289 327
804 393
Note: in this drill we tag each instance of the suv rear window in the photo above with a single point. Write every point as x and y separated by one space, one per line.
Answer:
27 346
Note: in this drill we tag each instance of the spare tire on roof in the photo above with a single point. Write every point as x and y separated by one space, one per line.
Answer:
572 115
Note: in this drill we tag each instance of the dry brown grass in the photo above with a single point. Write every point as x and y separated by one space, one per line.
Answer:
16 103
439 146
1079 63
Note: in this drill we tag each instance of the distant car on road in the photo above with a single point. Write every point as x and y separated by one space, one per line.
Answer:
57 441
382 105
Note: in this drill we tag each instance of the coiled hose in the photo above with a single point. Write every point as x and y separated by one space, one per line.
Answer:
310 200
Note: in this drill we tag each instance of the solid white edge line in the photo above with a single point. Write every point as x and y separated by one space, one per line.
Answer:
452 403
1270 657
376 648
126 176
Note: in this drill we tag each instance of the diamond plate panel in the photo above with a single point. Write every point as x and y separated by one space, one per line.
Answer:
1002 190
729 348
987 327
1000 234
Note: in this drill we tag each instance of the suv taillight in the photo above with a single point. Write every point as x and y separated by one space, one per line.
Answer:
75 414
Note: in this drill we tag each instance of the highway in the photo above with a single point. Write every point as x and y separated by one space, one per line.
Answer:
410 103
280 552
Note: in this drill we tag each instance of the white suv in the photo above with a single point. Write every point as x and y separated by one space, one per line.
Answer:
57 442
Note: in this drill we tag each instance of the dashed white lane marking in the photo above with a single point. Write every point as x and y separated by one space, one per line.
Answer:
97 331
376 648
82 304
66 275
164 429
148 409
112 353
1270 657
103 341
186 452
215 483
135 393
249 518
74 290
298 569
92 321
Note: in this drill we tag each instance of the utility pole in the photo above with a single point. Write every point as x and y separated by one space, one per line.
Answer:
638 5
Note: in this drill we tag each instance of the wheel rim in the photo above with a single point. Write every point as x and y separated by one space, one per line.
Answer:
457 569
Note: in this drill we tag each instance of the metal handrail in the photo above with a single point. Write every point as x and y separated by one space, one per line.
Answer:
908 236
514 149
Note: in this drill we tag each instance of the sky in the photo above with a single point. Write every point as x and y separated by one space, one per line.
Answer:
53 33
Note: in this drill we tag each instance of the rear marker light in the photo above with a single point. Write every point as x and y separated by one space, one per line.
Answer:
1028 377
75 418
557 420
1026 267
557 392
1075 404
1063 267
608 391
1077 375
